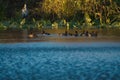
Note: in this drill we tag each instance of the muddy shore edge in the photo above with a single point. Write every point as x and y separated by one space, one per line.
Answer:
63 39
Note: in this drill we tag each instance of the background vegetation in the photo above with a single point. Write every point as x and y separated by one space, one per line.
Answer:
83 14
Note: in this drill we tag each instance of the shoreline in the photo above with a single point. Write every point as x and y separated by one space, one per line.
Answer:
63 39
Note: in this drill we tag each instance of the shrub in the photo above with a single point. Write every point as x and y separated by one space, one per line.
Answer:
2 26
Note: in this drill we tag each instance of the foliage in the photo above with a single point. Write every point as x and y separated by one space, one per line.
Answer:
44 13
2 26
55 25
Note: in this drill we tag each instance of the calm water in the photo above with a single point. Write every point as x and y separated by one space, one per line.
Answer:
60 61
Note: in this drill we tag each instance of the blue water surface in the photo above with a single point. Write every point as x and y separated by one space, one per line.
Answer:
60 61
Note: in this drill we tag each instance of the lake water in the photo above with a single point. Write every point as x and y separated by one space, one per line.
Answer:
60 61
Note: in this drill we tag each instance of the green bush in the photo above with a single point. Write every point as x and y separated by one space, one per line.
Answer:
116 25
2 26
